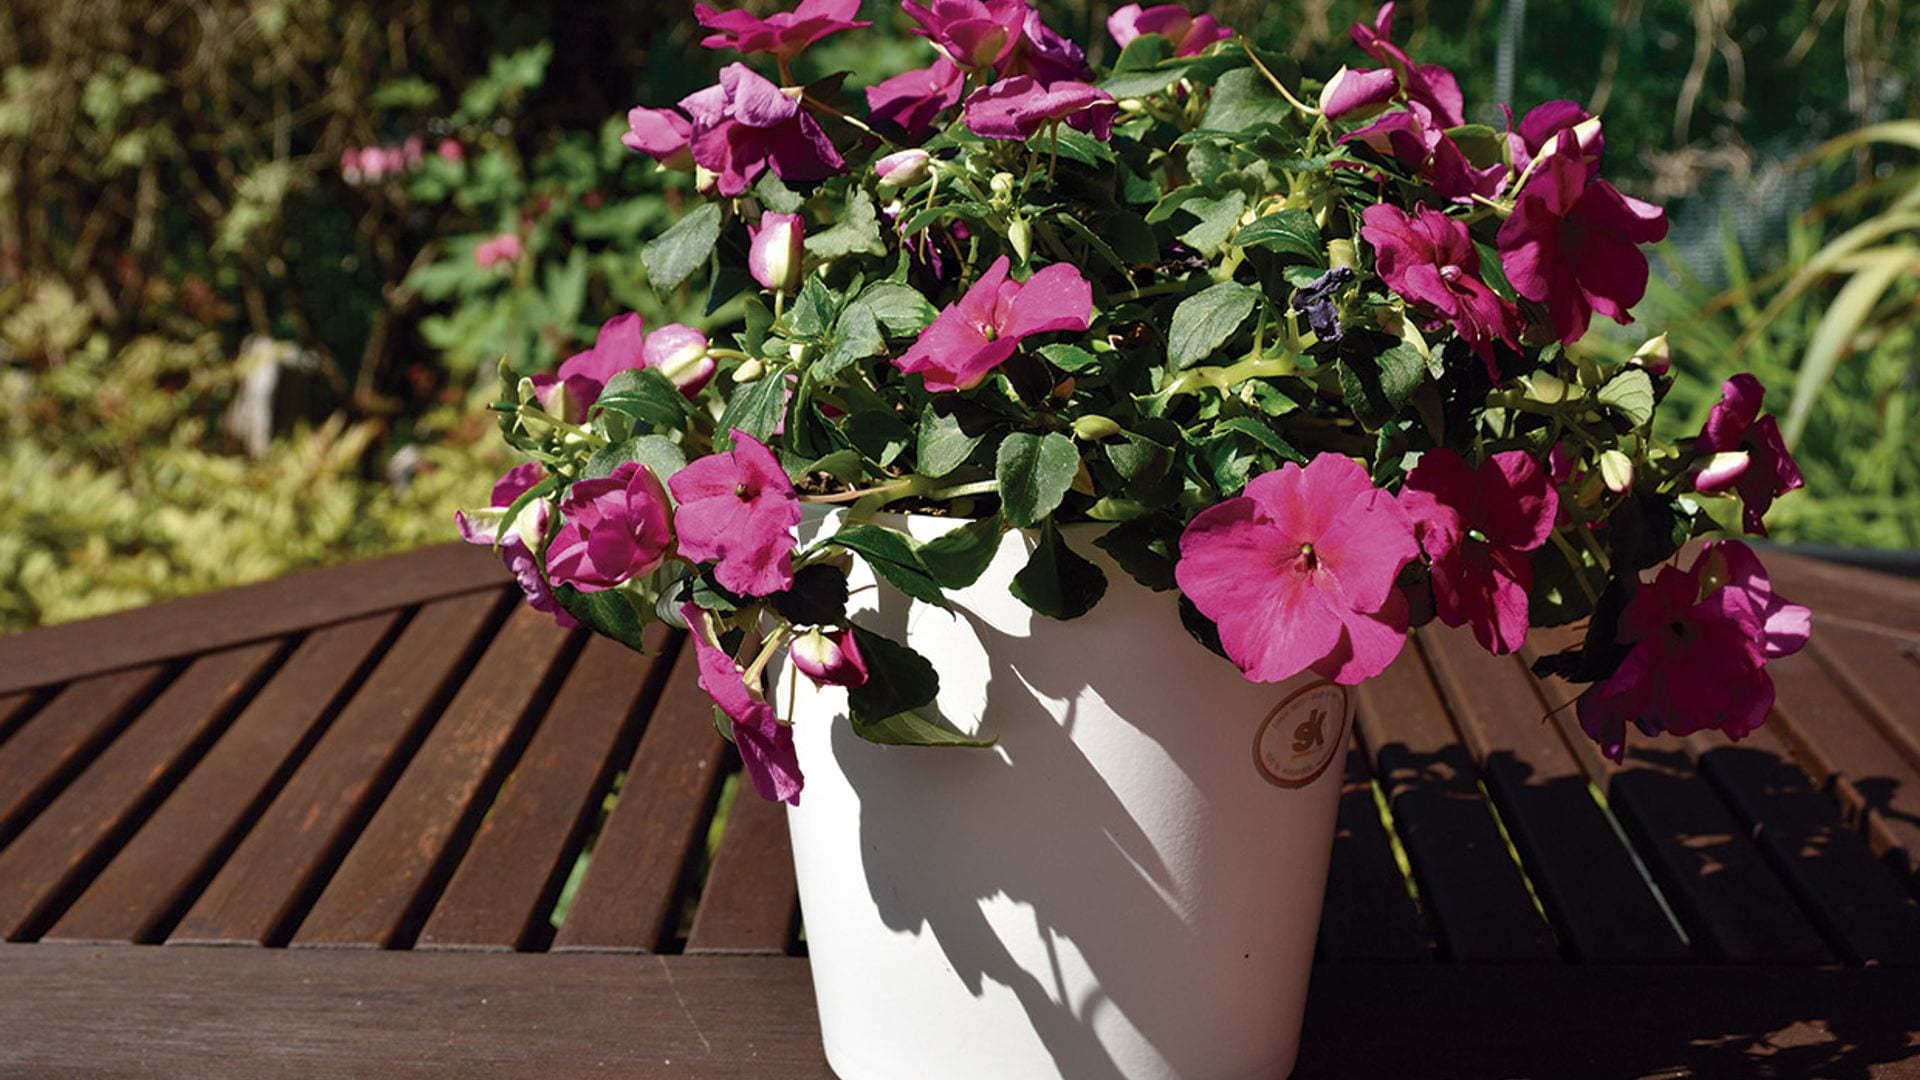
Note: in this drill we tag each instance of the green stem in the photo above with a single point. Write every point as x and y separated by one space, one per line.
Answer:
1224 379
1573 561
1275 80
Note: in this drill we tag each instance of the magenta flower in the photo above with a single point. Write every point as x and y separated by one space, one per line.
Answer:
662 134
973 33
1358 94
983 328
738 508
1046 55
1539 132
1573 243
1299 572
1412 138
765 744
1429 260
1430 85
1743 452
1477 528
1017 107
681 354
1699 641
783 34
1190 35
612 529
830 658
744 123
571 391
498 250
450 151
774 251
514 548
911 99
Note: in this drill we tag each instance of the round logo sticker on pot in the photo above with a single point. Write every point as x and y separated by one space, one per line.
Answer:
1302 735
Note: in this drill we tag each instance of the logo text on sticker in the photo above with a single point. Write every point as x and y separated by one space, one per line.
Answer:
1302 735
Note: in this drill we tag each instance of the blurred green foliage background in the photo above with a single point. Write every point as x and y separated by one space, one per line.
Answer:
243 329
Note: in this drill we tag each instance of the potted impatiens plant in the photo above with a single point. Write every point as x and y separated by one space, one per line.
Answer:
1032 401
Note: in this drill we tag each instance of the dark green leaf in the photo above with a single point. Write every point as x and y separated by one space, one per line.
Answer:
943 445
897 677
1034 473
1629 393
900 309
818 597
608 611
1263 435
1290 232
1218 218
1204 321
879 434
675 254
856 336
1242 98
1071 144
958 558
644 394
657 452
1376 387
813 309
1068 358
1057 581
775 195
755 408
857 231
894 557
1145 547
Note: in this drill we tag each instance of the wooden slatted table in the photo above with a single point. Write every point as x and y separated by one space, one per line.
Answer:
381 819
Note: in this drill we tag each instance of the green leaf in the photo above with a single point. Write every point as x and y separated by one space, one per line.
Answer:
1139 84
813 309
609 612
775 195
1204 321
1376 387
909 728
1034 473
879 434
818 597
755 408
1143 53
567 287
887 708
657 452
674 255
857 231
1832 339
1264 435
1242 98
894 557
899 309
1218 218
942 446
856 336
645 395
1146 548
1068 358
1057 581
1072 144
958 558
1289 232
1629 393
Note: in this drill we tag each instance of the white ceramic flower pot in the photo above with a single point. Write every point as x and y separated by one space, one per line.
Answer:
1127 885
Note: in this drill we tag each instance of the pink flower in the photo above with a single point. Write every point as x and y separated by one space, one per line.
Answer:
1429 259
744 123
774 252
1190 35
1044 54
830 658
1477 528
571 391
1358 94
981 330
613 528
1299 572
350 165
765 744
1412 138
498 250
662 134
514 550
1743 452
450 151
1699 641
911 99
973 33
783 34
1539 133
1017 107
680 353
1430 85
738 508
1573 243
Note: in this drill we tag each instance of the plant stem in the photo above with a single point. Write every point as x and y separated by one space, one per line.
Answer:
1277 84
1573 561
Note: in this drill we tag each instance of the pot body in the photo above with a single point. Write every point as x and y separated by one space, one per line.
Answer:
1127 884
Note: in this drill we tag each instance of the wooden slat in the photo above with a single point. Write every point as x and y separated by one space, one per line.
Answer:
633 880
251 613
1856 902
1881 672
156 874
1833 738
1845 591
507 882
1585 877
51 859
62 737
751 901
271 877
1367 913
14 709
378 897
1469 885
332 1014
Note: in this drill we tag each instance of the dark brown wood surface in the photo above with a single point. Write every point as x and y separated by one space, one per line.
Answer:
515 829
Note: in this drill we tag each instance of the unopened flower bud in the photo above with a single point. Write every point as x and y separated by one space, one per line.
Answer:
1095 428
1020 236
1341 253
749 371
830 659
1616 471
680 353
775 251
903 168
1656 355
1002 186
